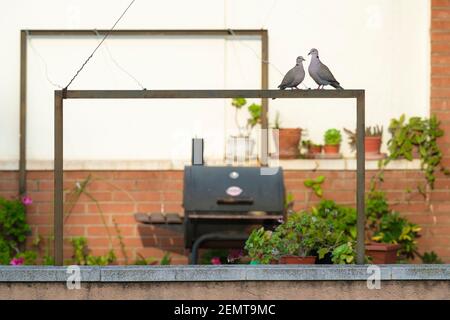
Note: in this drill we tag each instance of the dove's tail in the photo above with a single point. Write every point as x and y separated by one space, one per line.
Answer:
281 87
336 85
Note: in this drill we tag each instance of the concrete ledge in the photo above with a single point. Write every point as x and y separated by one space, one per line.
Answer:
155 164
224 273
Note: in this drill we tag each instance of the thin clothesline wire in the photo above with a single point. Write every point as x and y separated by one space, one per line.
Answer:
98 46
266 19
53 83
269 14
120 67
260 58
254 52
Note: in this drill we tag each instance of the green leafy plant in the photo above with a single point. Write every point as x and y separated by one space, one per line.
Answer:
329 228
81 255
431 258
302 234
342 218
417 134
13 230
255 115
254 111
238 103
315 185
260 247
398 230
295 236
344 254
141 260
332 137
376 208
166 259
289 203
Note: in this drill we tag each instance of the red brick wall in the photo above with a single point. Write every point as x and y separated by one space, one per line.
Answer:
440 106
122 193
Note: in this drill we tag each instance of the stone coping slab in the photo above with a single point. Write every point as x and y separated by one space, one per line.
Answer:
188 273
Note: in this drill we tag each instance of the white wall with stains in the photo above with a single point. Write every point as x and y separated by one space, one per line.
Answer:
378 45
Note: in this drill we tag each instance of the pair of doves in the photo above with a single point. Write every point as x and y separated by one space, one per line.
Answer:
317 70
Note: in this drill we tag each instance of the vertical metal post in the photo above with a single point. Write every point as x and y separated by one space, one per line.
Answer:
58 180
264 101
23 113
360 178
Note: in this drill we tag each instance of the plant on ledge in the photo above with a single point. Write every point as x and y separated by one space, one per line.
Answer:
332 139
372 140
312 149
254 111
417 137
259 246
14 231
300 239
81 254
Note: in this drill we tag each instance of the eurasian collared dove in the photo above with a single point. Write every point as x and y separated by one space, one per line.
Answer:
320 72
295 76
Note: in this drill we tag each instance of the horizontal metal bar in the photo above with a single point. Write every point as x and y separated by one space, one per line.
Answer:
210 94
164 32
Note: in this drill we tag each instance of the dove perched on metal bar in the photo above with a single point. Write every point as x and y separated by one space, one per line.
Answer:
320 72
295 76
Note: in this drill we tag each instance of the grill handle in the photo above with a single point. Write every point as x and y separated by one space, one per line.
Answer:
235 201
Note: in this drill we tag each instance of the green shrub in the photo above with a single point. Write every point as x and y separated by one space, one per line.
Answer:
13 229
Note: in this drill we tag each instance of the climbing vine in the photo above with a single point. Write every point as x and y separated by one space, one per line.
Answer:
416 138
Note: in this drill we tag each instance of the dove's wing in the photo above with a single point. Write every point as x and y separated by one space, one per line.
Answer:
288 78
325 73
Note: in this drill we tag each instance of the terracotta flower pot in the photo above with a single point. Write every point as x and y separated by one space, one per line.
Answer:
331 149
373 145
382 253
289 139
297 260
315 149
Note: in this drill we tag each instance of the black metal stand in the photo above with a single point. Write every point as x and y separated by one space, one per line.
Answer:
359 95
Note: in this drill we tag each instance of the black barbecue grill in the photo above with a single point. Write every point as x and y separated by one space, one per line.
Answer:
223 204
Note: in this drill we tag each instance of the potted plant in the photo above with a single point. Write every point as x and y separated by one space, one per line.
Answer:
288 140
295 240
259 247
242 145
333 140
372 141
382 253
313 150
389 235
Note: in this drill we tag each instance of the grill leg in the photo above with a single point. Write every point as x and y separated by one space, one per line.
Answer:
212 236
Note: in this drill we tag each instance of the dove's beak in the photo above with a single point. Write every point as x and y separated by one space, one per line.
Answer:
309 53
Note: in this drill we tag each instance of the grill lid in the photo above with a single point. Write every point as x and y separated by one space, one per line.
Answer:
232 189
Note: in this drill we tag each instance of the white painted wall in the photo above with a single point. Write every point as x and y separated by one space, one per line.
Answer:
378 45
